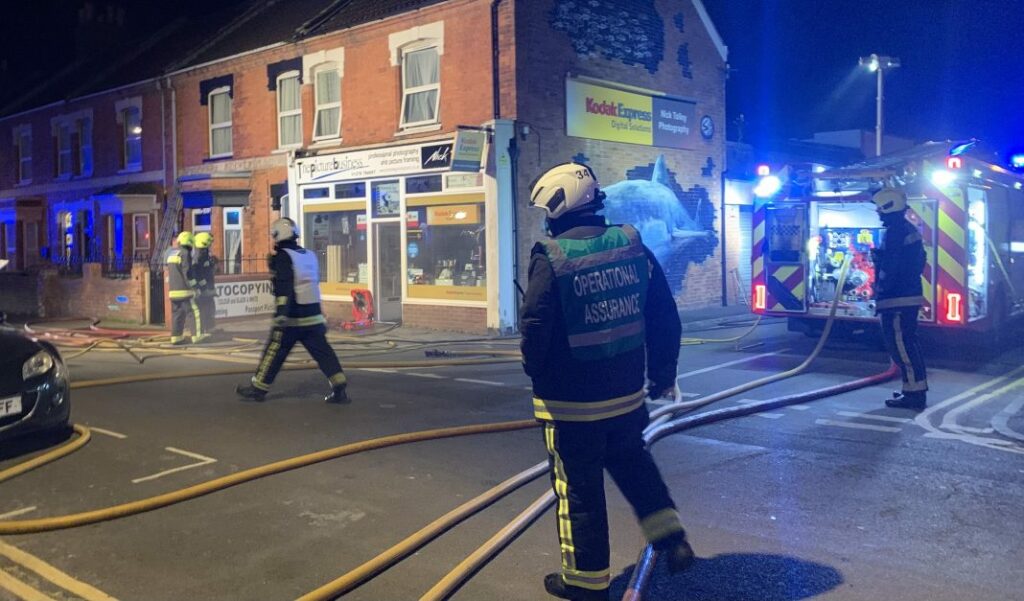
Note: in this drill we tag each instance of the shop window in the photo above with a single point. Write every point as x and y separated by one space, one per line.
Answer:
445 251
131 123
23 146
421 86
141 229
422 184
339 240
327 84
350 190
232 241
220 123
386 199
316 193
202 220
464 180
64 150
289 110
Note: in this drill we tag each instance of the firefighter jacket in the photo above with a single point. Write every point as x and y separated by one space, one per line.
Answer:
203 269
898 266
296 284
180 281
598 313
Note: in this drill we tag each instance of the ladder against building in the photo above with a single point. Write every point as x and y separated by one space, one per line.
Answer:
168 225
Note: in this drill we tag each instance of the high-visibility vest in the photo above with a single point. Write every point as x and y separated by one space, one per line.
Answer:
602 284
306 272
179 287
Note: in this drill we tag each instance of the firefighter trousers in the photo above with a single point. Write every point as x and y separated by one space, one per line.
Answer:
281 341
578 454
181 311
899 332
207 309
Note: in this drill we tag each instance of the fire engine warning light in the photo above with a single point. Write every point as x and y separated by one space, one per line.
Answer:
954 162
760 302
763 170
954 307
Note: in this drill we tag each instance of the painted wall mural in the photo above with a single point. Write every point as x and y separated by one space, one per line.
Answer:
677 225
605 27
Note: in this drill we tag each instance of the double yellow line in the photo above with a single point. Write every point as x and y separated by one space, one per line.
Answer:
27 592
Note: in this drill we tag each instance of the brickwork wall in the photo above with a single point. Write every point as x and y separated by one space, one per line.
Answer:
93 295
680 60
733 257
471 320
20 294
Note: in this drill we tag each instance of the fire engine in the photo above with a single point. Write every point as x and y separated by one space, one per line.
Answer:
809 219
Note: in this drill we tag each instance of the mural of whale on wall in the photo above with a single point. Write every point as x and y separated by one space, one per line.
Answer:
666 226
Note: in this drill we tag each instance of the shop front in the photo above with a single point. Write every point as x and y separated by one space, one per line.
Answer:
397 221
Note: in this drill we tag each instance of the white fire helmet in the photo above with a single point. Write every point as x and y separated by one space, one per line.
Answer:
889 200
565 188
284 229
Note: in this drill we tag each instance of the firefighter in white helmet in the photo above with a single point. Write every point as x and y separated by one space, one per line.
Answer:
296 283
597 318
899 263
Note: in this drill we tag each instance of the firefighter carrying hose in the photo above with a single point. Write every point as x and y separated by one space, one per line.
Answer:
598 308
899 263
204 268
296 283
181 289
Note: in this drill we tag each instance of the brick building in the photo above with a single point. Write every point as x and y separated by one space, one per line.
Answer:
360 121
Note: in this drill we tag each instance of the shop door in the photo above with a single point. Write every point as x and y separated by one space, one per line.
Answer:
387 276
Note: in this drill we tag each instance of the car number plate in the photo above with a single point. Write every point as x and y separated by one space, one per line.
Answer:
10 406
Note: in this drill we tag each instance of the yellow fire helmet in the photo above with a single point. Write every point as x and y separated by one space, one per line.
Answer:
889 200
185 239
204 240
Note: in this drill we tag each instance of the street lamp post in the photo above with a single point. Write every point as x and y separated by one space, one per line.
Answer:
879 65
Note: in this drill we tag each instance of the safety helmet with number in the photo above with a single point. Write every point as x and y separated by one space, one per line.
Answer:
889 200
566 188
185 239
204 240
284 229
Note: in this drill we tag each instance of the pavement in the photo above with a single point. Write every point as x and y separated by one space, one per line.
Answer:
840 499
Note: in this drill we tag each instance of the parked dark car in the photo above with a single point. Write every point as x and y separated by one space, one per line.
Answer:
35 392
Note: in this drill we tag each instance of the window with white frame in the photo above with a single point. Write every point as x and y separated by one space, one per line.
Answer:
23 146
131 123
421 86
220 122
64 150
327 84
83 128
289 110
232 240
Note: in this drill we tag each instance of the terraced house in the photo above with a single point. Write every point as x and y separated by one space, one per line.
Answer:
401 135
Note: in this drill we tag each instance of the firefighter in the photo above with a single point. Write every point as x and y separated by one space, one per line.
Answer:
899 263
204 268
296 283
181 289
597 315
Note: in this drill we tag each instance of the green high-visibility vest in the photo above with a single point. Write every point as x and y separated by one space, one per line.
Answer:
602 283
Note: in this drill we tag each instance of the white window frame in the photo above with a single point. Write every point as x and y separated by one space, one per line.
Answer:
129 136
24 152
223 124
202 228
135 239
84 142
327 105
229 261
406 92
281 114
64 154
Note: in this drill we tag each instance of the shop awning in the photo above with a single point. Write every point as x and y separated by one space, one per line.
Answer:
215 190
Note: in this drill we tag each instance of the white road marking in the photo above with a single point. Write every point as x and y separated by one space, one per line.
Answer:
203 460
728 364
1001 421
17 512
484 382
378 370
109 433
855 425
924 418
974 430
689 395
431 376
800 407
881 418
770 415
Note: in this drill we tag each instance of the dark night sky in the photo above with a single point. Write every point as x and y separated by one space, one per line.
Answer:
794 61
795 67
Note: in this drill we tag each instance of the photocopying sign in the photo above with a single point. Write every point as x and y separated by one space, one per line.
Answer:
244 299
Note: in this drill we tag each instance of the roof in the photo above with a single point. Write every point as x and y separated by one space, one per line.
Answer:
188 41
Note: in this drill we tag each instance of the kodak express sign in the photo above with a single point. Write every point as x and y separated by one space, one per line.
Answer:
604 113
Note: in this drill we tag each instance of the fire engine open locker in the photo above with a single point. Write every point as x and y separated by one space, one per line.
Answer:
808 221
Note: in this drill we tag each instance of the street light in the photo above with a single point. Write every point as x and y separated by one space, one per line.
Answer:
879 64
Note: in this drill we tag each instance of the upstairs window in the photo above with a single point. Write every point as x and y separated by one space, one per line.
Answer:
421 86
83 128
23 146
64 151
289 110
327 123
131 122
219 101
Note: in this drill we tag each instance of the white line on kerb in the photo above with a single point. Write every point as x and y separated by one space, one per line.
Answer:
109 433
881 418
829 422
203 460
484 382
16 512
728 363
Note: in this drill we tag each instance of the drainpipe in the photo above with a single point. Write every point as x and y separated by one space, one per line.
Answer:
495 55
725 254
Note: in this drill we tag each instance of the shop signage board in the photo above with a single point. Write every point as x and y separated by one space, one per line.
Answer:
606 113
245 298
469 150
376 162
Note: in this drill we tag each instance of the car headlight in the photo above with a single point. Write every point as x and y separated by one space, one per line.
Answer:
37 365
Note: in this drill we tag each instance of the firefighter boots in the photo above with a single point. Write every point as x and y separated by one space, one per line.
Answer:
251 393
554 585
914 401
338 396
678 552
